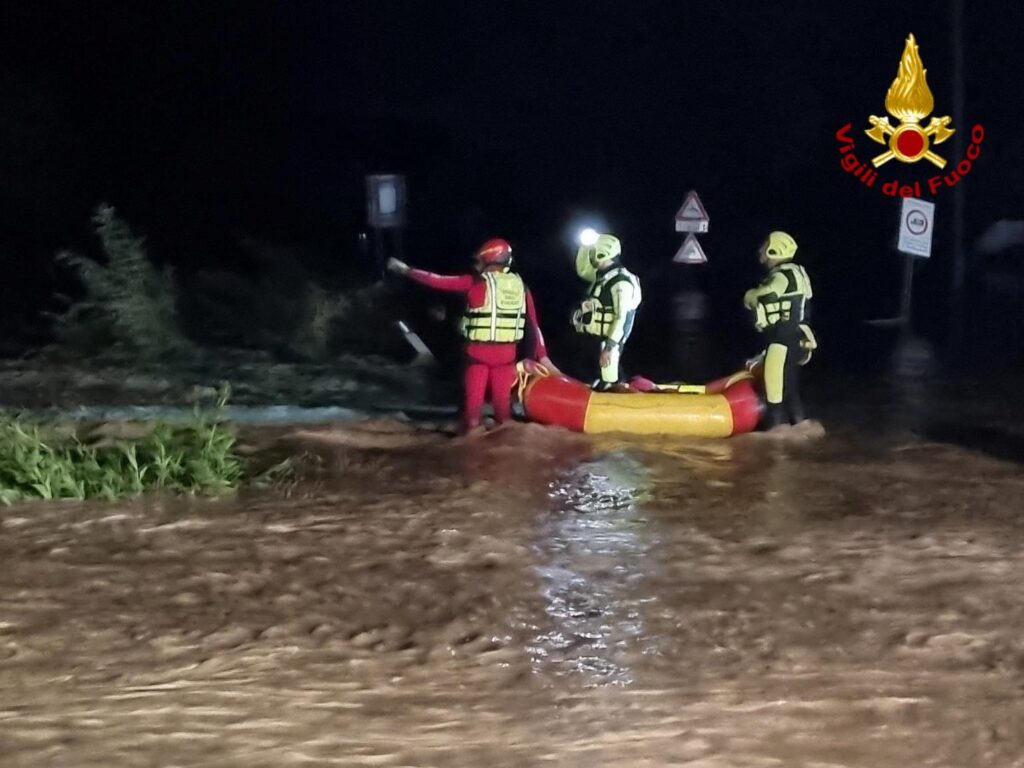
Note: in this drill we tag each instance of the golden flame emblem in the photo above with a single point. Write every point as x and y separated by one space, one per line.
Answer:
909 100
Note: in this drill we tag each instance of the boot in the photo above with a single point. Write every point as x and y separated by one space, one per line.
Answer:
774 416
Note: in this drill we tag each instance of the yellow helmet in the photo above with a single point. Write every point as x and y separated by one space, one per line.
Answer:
589 258
780 246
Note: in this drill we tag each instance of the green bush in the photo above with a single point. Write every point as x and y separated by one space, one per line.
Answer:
39 461
128 301
312 340
279 306
260 305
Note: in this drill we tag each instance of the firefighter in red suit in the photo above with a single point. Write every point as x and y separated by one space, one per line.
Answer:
499 313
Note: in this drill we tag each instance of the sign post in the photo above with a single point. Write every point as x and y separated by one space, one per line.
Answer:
917 222
385 213
689 348
691 217
917 219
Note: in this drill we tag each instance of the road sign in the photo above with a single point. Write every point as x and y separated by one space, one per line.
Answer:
385 201
690 252
917 220
692 216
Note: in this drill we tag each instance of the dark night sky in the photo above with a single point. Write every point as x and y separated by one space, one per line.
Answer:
204 120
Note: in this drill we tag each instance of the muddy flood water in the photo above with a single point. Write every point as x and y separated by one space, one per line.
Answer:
536 598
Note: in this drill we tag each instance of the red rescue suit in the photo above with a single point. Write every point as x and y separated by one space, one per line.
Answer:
489 365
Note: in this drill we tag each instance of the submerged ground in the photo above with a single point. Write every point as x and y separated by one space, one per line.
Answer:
539 598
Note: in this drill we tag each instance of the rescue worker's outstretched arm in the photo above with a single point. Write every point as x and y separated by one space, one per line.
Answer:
449 283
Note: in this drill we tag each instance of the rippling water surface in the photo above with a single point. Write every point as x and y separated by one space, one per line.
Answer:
537 598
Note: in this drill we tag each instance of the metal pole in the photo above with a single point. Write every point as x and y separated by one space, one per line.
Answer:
908 292
378 249
399 243
959 203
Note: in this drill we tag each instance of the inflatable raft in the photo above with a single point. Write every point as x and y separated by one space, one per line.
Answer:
722 408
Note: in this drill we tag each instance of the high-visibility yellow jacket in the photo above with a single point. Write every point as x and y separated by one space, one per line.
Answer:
502 317
782 300
610 305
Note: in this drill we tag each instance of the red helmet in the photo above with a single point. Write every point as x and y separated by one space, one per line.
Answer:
496 251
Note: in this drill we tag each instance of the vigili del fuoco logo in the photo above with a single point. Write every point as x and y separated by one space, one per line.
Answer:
909 101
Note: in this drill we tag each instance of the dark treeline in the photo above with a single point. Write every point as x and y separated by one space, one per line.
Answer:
210 124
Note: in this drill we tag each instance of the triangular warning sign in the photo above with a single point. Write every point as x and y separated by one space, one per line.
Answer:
692 216
690 252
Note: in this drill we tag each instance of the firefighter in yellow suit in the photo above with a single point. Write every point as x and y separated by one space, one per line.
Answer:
781 308
610 306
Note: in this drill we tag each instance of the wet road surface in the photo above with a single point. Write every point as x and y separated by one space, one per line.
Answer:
536 598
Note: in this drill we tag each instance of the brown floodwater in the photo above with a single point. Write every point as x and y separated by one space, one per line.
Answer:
536 598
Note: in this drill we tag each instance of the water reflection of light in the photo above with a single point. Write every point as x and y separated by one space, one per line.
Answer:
592 542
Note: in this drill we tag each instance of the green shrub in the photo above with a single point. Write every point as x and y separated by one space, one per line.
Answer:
128 301
362 321
261 305
312 340
40 461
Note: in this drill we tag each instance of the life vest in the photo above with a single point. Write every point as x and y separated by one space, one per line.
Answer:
596 315
502 317
789 308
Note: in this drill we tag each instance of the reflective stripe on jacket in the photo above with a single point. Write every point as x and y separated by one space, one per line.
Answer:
502 317
597 314
782 299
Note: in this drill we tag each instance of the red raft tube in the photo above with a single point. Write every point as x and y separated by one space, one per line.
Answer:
722 408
